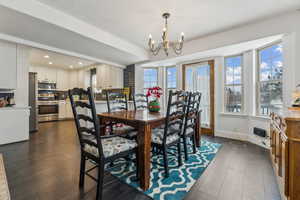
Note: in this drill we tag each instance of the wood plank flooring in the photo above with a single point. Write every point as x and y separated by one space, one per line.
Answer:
47 167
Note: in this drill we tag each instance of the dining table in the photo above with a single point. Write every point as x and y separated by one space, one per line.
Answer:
143 121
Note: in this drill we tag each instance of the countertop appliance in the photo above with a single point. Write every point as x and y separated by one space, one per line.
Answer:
32 100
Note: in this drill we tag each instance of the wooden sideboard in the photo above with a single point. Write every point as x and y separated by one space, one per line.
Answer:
285 152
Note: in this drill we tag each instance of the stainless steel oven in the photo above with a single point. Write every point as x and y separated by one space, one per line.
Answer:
48 111
48 85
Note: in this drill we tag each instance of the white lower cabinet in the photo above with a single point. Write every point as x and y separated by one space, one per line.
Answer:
65 110
62 110
14 125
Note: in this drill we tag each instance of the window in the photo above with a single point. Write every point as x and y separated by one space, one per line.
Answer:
150 78
171 73
233 84
270 68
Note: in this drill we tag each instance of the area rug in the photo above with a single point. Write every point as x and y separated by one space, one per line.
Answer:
4 192
180 181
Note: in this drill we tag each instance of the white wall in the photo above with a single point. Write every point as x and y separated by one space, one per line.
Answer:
241 126
21 94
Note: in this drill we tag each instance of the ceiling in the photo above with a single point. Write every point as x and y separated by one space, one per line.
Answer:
133 20
223 51
44 58
116 32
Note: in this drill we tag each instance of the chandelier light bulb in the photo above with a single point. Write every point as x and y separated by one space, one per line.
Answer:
165 44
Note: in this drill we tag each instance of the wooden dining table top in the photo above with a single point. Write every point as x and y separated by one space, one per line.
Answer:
141 116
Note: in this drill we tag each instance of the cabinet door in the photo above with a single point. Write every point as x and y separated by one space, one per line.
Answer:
8 65
62 110
120 78
62 80
51 74
73 81
69 113
100 76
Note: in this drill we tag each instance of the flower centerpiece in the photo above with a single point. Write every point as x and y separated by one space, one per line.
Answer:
154 94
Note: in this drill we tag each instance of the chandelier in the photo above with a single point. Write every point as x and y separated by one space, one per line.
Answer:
165 43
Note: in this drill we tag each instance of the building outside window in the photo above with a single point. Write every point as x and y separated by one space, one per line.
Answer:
150 78
234 84
270 69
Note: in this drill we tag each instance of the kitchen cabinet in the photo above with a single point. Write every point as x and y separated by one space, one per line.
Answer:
62 111
69 112
8 63
62 79
65 110
73 79
45 73
109 77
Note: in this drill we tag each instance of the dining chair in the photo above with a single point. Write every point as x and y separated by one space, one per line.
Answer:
117 101
94 147
140 101
163 139
191 115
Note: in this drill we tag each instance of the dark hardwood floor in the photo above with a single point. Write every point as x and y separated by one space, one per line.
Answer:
47 167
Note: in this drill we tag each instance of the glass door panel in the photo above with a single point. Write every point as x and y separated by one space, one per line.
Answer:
197 77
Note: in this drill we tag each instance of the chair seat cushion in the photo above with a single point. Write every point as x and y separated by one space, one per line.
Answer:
158 135
112 146
122 128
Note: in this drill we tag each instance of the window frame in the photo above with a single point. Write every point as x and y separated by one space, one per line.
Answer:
258 81
228 85
166 78
157 70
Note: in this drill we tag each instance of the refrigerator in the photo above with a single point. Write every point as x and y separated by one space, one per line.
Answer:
32 95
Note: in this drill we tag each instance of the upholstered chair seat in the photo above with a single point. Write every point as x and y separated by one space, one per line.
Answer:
158 135
112 146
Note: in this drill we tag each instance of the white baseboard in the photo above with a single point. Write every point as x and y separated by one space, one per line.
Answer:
240 136
232 135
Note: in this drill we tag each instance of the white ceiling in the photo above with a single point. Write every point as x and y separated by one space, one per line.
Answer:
133 20
223 51
37 57
116 32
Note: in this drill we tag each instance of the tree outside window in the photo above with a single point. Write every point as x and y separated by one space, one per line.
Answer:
233 84
270 63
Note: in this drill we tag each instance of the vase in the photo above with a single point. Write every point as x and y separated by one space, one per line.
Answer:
154 106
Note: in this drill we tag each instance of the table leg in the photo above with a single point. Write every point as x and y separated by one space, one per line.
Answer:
102 126
144 142
198 130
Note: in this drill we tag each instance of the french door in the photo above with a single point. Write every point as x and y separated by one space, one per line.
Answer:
200 77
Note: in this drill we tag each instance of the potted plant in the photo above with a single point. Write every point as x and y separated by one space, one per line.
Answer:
154 94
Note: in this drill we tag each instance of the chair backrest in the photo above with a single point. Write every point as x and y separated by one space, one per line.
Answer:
140 101
86 119
116 101
192 111
175 114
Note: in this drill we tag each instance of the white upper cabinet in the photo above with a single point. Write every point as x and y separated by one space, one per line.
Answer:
73 79
109 77
8 65
62 79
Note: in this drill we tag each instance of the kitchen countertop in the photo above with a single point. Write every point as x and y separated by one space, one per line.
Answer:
15 108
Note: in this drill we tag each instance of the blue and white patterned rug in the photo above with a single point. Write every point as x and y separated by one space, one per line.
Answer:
180 181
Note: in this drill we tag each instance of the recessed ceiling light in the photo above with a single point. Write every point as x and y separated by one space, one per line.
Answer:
80 63
46 56
50 63
71 66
